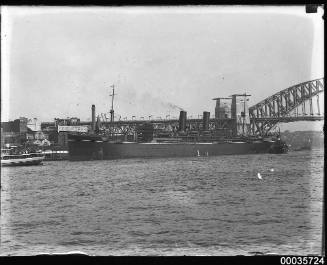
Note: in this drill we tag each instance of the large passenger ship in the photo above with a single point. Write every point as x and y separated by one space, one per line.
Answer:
229 133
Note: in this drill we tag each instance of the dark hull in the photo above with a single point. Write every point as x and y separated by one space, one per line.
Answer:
97 150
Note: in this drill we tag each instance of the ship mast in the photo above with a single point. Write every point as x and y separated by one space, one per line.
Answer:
112 112
112 105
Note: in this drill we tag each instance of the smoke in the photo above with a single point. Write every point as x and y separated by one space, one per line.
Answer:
146 103
173 106
153 102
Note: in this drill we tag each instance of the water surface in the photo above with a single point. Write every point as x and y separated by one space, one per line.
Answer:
185 206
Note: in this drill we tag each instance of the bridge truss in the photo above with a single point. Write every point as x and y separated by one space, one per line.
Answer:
296 103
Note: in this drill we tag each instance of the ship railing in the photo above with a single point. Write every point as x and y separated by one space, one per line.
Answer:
17 156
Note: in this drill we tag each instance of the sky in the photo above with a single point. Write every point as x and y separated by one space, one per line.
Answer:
58 61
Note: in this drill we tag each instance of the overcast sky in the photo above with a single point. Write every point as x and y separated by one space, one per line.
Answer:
57 62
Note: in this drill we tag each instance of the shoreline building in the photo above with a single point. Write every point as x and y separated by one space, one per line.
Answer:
14 133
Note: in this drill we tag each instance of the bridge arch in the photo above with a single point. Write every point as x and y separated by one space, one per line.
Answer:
265 115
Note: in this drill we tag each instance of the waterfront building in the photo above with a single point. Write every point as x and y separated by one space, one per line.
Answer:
14 132
34 125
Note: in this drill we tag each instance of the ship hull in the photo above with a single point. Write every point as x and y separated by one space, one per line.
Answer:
97 150
32 161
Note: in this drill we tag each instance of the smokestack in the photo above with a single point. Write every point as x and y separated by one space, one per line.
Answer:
98 124
93 118
182 120
206 120
233 107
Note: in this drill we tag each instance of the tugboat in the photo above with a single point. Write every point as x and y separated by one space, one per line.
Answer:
279 147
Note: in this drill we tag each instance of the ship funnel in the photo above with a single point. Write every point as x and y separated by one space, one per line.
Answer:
93 118
206 120
182 120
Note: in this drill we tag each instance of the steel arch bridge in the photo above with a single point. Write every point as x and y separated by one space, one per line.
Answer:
284 106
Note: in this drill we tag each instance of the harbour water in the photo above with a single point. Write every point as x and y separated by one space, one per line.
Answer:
184 206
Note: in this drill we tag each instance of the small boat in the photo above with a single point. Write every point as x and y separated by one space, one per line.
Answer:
21 159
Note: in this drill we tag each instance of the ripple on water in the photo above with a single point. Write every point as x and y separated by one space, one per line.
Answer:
205 206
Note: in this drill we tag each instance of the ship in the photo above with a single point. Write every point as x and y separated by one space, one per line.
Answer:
230 136
31 159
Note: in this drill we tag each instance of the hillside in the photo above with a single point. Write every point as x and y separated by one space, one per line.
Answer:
300 139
